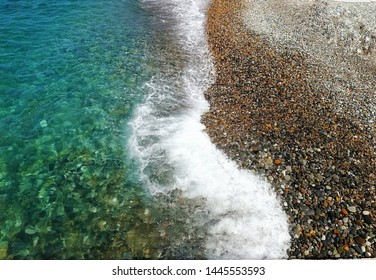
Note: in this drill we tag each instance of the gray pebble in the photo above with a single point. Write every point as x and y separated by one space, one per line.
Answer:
352 209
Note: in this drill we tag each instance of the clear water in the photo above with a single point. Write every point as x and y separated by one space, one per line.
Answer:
71 73
102 154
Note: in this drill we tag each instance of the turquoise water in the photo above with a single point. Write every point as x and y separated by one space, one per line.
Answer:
102 153
71 74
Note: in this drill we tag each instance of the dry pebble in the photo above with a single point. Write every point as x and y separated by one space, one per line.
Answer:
319 158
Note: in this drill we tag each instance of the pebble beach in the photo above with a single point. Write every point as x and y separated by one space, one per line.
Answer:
272 112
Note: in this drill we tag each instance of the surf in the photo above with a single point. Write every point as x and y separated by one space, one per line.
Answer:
244 218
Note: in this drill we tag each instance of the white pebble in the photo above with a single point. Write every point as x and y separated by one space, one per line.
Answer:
352 209
43 123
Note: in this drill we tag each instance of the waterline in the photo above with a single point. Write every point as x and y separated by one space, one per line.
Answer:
244 219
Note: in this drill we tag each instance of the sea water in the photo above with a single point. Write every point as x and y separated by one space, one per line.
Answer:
70 75
102 153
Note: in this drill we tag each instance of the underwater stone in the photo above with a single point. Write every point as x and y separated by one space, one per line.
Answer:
43 124
30 230
3 250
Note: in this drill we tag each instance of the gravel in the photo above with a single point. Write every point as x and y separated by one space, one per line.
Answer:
270 114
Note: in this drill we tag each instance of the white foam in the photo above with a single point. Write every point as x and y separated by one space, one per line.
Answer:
246 218
250 221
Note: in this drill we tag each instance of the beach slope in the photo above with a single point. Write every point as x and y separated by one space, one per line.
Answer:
302 121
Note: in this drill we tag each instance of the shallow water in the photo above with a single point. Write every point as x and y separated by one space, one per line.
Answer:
71 73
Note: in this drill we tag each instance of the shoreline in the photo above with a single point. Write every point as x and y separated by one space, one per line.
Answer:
268 115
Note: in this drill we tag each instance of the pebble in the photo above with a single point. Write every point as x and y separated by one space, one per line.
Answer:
43 123
352 209
323 168
319 177
340 250
358 249
268 162
344 212
336 178
368 219
30 231
360 240
311 213
3 253
3 249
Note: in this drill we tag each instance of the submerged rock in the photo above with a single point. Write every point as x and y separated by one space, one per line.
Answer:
43 124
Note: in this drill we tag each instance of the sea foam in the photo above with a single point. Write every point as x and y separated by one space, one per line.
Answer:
245 218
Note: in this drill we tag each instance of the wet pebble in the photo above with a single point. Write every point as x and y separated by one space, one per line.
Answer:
352 209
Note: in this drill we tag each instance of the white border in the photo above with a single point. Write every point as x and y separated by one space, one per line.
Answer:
102 270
